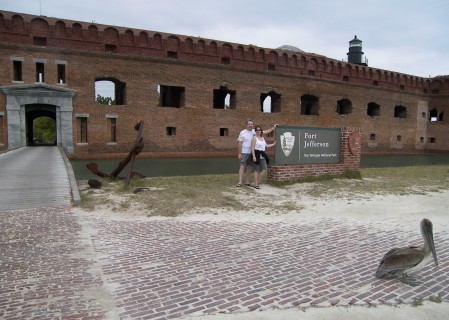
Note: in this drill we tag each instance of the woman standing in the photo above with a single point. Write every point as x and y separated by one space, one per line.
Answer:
260 158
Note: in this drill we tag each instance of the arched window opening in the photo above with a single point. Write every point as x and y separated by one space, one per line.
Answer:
400 112
310 105
224 98
434 116
270 102
110 92
344 107
373 109
44 131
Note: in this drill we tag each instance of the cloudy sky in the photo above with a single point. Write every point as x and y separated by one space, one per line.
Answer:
407 36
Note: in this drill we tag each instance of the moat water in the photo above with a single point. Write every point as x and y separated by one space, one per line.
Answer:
199 166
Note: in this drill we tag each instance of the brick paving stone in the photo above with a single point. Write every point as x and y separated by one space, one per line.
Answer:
251 302
40 268
56 264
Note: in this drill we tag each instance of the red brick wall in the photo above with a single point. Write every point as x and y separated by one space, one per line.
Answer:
350 160
141 62
84 36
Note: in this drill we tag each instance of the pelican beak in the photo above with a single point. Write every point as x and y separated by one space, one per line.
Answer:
429 236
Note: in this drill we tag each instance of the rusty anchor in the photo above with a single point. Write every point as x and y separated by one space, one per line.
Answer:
136 149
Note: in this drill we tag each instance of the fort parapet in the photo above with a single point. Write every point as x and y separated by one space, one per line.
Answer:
67 34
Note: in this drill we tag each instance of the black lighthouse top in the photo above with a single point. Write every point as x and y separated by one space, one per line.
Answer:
355 53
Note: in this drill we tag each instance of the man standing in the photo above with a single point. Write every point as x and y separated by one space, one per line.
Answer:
244 151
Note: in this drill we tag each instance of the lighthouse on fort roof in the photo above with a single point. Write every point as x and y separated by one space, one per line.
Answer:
355 54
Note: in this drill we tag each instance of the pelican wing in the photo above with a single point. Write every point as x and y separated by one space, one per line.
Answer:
398 259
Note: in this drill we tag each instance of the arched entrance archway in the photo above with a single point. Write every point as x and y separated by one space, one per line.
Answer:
37 99
34 112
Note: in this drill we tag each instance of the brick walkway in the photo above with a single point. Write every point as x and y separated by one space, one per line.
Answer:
58 265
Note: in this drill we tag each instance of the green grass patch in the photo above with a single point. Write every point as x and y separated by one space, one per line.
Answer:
435 299
417 303
172 196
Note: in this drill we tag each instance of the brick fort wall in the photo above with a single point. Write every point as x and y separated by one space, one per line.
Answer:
192 70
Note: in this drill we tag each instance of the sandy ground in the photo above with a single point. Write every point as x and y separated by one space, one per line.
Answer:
387 210
426 311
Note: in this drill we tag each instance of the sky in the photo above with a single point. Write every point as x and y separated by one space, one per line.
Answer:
405 36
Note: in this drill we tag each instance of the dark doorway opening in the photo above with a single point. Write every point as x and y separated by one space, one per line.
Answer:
41 125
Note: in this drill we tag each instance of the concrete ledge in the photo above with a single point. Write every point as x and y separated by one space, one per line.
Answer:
73 185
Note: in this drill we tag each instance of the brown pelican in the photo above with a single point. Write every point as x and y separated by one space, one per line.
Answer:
404 260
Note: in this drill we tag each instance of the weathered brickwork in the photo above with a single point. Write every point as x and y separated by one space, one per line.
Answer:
93 266
142 60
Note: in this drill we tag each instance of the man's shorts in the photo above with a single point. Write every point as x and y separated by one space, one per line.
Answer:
247 159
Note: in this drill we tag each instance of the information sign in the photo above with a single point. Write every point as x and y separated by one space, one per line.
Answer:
307 145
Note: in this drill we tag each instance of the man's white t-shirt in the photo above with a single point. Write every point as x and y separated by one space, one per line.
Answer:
245 137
